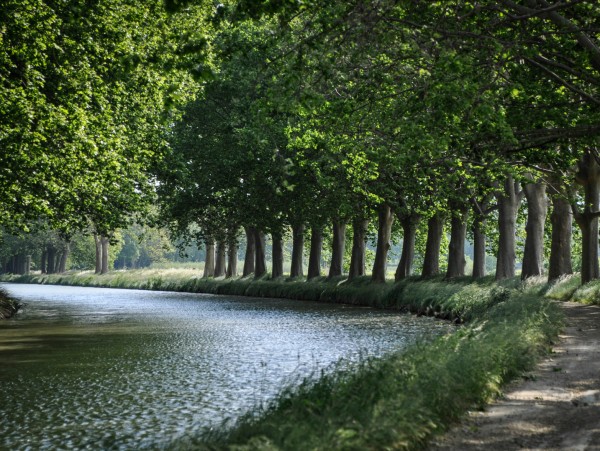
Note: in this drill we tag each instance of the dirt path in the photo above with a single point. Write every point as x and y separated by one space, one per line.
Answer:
558 408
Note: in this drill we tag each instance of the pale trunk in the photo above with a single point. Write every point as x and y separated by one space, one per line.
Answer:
232 258
220 264
508 207
297 269
456 248
537 209
104 241
479 243
588 175
359 246
409 229
260 265
316 248
384 233
98 269
277 253
431 261
336 268
561 219
209 259
250 254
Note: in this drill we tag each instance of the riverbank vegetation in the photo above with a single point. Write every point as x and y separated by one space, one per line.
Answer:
401 400
8 306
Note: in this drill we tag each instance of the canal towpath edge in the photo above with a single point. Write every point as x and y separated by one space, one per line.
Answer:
556 407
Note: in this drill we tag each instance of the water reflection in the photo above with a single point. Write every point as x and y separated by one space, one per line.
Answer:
93 368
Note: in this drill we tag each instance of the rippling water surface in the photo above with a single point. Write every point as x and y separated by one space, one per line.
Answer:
91 368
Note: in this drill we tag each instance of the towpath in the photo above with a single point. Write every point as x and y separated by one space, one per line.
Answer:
556 408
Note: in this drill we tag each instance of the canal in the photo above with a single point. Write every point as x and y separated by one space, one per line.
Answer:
93 368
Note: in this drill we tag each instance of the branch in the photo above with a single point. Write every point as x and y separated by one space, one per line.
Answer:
563 82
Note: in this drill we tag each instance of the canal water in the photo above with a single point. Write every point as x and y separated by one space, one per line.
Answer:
93 368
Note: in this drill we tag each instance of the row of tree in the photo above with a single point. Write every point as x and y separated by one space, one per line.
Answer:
46 251
307 117
430 114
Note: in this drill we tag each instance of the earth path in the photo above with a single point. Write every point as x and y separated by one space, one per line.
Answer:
556 408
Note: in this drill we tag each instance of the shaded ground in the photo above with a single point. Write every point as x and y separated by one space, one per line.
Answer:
556 408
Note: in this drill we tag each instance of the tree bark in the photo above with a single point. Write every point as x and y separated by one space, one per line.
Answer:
104 242
359 248
479 244
51 256
209 259
316 248
508 206
431 261
537 209
250 255
384 233
28 264
44 262
297 269
456 248
232 258
260 265
277 254
409 225
220 264
98 244
561 219
588 175
338 244
63 258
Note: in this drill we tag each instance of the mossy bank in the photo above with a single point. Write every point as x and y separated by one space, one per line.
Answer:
396 402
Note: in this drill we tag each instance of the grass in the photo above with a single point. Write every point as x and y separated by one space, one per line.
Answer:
8 306
396 402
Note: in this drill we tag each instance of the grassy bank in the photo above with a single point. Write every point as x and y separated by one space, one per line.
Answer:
459 300
8 306
396 402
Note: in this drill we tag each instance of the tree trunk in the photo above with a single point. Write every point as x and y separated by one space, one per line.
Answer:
277 254
560 248
98 269
338 244
51 255
104 242
409 225
588 175
209 259
359 248
27 264
220 264
63 258
508 207
297 269
479 243
537 209
456 248
44 262
384 233
232 258
250 256
431 260
260 265
316 248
